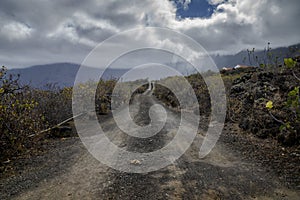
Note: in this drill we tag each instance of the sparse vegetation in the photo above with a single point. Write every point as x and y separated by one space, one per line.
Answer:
263 102
19 116
25 112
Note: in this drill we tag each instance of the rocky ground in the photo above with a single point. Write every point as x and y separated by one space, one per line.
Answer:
239 167
248 97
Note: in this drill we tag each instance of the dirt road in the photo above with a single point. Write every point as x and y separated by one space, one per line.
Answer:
70 172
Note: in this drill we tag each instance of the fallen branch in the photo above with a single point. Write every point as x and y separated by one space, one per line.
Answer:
277 120
295 76
57 125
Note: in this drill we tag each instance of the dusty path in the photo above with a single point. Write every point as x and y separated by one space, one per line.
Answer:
77 175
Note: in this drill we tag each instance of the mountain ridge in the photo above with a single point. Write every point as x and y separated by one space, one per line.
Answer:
63 74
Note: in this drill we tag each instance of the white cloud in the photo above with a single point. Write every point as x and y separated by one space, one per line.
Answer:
215 2
86 22
61 30
185 3
67 32
83 29
15 31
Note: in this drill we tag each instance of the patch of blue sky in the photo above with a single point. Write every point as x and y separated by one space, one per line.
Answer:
194 9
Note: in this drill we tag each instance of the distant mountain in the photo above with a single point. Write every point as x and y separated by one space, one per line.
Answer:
61 74
64 74
243 58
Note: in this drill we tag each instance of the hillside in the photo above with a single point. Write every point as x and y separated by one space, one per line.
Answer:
253 156
61 74
242 57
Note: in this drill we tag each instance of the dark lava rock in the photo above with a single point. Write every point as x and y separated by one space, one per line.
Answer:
249 95
265 76
238 88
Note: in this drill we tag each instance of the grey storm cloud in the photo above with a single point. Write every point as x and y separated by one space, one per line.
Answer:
37 32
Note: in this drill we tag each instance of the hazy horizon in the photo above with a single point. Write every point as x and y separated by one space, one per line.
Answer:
43 32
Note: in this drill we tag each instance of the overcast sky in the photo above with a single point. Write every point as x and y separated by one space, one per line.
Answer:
48 31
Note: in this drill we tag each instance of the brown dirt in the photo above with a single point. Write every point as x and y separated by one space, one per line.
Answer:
239 167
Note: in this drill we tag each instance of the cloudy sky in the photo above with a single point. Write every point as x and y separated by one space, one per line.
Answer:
47 31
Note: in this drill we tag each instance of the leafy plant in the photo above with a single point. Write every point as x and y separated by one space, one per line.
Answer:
291 64
293 102
291 122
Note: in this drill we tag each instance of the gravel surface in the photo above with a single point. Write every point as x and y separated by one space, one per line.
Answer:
239 167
